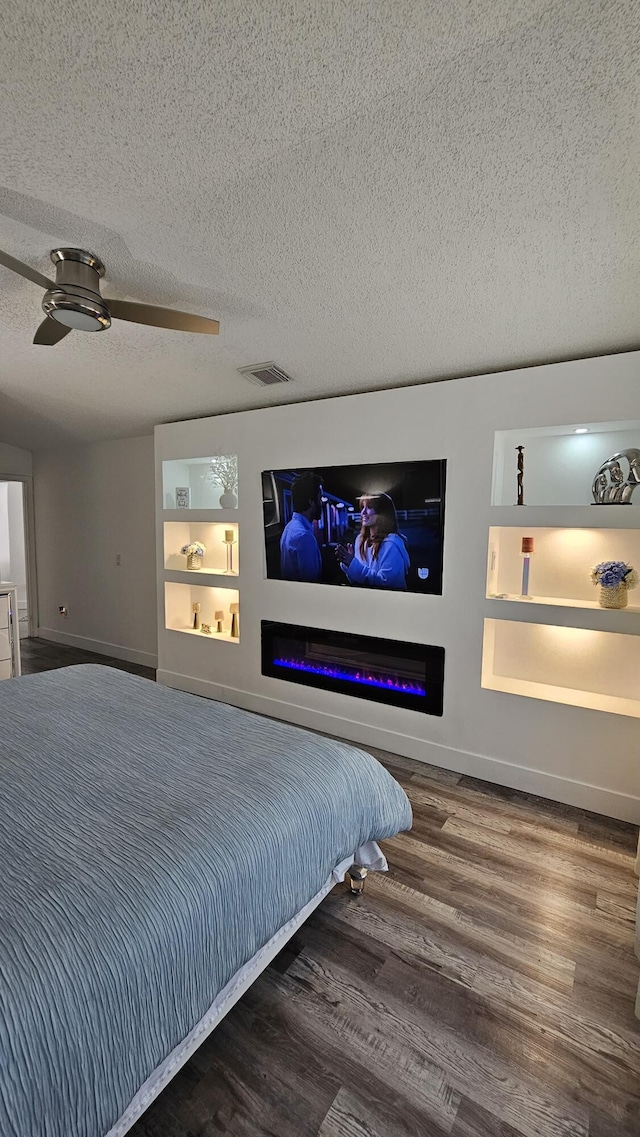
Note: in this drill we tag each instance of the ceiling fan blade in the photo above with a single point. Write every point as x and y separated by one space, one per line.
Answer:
25 270
161 317
50 332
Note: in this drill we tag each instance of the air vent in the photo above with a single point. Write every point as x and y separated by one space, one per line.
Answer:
265 374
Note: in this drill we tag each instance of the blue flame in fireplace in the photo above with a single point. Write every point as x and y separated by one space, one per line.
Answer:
364 677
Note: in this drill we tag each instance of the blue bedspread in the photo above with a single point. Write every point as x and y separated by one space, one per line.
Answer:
150 843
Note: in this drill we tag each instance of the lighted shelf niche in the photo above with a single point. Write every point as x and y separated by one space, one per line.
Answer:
193 483
560 462
220 540
178 608
560 565
576 666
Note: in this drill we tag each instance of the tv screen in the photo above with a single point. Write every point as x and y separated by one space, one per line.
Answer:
376 526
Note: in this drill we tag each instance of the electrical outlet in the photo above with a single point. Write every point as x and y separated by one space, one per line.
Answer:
118 560
63 610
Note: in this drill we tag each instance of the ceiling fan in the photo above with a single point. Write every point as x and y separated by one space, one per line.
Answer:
73 301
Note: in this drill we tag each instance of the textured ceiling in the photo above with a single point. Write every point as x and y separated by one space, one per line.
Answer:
370 193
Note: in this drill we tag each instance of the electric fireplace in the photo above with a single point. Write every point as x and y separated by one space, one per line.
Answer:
403 674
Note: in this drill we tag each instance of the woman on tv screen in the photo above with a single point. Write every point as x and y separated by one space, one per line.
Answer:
379 558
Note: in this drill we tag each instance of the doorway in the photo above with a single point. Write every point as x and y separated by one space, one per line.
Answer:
14 560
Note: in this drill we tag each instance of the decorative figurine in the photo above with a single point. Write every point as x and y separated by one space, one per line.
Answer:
219 617
206 628
196 616
235 624
520 450
610 486
229 540
526 550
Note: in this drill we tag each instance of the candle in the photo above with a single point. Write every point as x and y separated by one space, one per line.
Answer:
229 540
526 549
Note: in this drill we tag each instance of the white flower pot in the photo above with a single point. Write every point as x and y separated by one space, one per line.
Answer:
228 500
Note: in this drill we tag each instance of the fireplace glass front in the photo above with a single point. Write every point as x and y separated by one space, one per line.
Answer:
403 674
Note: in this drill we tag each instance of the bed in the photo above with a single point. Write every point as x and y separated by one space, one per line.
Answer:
157 850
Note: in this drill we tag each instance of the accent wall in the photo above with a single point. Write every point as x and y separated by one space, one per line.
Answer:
571 753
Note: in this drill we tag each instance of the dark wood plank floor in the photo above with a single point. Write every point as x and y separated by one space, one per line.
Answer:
40 655
484 988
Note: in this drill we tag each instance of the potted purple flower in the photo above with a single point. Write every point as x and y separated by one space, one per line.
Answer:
615 578
194 553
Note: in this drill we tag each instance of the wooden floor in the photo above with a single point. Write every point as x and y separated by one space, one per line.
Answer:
40 655
484 988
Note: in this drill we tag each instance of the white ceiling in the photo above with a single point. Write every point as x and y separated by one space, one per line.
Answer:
369 192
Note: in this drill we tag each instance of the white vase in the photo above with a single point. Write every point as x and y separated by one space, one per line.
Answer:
228 500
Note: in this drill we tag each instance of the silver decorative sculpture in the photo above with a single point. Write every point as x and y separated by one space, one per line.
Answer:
611 486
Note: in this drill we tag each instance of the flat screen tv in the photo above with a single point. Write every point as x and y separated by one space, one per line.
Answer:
376 526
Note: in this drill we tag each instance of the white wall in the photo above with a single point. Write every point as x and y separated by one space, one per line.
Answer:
568 753
93 503
14 462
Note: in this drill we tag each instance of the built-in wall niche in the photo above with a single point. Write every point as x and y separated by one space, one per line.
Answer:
577 666
560 564
560 463
217 606
220 541
200 483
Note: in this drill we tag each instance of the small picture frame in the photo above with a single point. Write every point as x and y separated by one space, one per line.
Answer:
182 497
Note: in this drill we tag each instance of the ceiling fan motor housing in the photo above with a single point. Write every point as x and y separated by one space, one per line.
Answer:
75 301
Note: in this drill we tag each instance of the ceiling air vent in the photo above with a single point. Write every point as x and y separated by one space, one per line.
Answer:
265 374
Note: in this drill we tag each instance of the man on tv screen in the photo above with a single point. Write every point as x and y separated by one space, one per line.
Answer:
300 557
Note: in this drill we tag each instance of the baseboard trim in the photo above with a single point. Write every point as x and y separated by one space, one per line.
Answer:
584 795
116 651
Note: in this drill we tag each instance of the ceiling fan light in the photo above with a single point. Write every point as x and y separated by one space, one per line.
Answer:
82 321
74 310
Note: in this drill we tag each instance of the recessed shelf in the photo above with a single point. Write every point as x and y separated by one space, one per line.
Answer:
177 534
563 602
179 599
218 515
188 480
559 464
580 667
568 516
202 576
226 637
560 565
